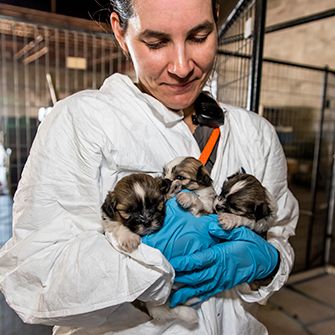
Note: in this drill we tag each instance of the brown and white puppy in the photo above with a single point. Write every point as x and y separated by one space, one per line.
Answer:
134 208
244 201
189 173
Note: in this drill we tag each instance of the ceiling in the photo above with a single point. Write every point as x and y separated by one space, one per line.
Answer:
88 9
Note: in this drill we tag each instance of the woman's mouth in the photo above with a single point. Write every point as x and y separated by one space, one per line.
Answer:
180 87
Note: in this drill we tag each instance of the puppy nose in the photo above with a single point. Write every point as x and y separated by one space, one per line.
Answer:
220 205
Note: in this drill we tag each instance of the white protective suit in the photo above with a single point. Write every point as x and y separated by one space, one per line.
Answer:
60 269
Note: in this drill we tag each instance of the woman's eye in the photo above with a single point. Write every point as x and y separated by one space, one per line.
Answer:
198 39
155 45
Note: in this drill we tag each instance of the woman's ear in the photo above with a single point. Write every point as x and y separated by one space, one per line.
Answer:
119 32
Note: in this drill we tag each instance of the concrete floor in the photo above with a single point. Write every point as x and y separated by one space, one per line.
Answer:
306 305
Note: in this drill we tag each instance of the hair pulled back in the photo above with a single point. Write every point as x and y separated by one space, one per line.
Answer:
125 10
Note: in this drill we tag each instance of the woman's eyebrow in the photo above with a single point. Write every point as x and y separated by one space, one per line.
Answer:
204 26
153 34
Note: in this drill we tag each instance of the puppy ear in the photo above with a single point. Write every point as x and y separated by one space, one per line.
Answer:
164 185
109 205
203 176
234 175
261 211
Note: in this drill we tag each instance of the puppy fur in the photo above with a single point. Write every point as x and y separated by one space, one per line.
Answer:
189 173
134 208
245 201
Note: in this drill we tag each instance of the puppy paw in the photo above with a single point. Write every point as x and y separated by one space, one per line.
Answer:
228 221
185 200
163 313
129 241
186 314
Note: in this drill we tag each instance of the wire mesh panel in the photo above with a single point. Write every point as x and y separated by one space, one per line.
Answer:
40 64
292 100
234 57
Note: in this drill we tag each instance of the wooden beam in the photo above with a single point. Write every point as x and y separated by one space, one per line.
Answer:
38 54
46 18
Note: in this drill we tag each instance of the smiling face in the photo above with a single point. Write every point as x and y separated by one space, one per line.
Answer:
172 44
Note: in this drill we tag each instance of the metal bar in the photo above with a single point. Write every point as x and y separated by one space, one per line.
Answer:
85 53
330 214
239 64
302 20
67 87
103 62
57 71
75 86
231 18
280 26
4 84
4 92
94 66
315 172
276 61
254 89
26 99
331 200
16 110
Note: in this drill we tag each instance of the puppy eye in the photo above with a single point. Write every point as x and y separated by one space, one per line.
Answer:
179 177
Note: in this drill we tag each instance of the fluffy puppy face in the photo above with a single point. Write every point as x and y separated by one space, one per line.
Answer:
186 173
137 202
242 194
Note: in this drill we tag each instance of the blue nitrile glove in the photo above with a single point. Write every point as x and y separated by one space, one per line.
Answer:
243 258
182 233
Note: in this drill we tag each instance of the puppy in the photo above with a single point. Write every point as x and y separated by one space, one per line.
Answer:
134 208
244 201
189 173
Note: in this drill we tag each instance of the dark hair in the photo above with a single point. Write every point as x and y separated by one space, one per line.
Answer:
125 10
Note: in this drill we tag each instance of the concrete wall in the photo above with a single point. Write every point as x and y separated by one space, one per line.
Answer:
311 43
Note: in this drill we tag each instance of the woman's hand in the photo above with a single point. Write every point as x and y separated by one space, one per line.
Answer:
242 258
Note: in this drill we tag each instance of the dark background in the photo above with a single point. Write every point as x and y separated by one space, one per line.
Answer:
87 9
98 10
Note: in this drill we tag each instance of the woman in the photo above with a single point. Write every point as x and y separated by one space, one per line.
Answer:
60 269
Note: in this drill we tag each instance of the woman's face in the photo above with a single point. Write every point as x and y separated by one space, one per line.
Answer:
172 44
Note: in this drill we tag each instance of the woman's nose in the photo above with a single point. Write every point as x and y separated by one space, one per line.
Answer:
181 64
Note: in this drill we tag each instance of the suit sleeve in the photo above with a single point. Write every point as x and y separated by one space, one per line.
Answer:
59 268
272 171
